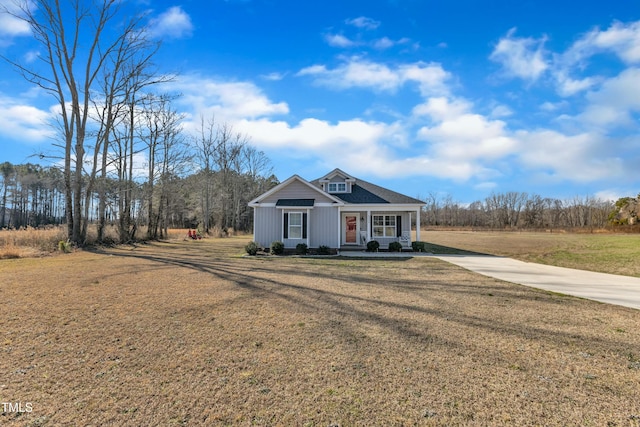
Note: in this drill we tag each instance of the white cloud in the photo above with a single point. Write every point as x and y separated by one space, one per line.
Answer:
383 43
500 111
363 147
274 77
582 157
467 143
379 77
24 122
614 102
386 43
364 23
567 86
469 136
31 56
174 23
441 109
553 106
10 25
226 101
523 58
621 39
338 40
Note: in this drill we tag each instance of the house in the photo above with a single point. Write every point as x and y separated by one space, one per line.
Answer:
337 210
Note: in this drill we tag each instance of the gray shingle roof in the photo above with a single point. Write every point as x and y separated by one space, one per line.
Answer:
364 192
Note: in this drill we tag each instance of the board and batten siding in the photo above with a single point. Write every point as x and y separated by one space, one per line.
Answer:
268 226
323 223
324 226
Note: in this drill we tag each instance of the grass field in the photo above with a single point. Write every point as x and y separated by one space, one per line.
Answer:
192 333
606 253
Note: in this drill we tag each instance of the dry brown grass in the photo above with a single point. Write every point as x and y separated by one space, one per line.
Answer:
37 242
192 333
29 242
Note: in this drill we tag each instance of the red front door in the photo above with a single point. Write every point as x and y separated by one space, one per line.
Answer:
351 229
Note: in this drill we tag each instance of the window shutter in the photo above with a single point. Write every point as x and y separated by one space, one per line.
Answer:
285 226
398 226
304 225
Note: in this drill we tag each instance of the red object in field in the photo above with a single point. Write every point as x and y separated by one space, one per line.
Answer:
193 234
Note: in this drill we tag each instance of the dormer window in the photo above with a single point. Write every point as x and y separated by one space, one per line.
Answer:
337 187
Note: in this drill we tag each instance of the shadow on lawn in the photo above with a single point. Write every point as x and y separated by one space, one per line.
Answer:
275 279
449 250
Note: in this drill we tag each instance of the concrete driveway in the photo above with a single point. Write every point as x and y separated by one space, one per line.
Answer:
609 288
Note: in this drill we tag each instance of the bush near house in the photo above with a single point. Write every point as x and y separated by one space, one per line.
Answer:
277 248
252 248
373 246
301 249
324 250
395 247
419 246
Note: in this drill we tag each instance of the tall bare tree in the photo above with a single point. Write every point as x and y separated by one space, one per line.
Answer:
81 40
159 128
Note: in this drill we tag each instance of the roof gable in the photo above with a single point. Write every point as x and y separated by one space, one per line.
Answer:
295 188
336 173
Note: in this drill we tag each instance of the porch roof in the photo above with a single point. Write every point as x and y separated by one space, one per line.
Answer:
295 203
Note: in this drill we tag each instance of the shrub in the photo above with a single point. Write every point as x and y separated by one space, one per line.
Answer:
302 249
251 248
324 250
277 248
373 246
395 247
64 246
419 246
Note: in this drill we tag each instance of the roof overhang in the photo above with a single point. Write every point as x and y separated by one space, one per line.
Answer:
295 203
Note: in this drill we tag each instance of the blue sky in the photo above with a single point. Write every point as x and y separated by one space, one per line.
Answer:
459 98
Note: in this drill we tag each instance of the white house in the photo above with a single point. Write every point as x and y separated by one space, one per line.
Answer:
337 210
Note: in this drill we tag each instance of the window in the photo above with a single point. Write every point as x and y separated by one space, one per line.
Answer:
384 226
295 225
337 187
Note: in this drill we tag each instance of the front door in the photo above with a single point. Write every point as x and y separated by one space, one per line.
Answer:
351 229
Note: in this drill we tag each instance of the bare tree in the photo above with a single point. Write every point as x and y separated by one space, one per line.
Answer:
76 52
159 128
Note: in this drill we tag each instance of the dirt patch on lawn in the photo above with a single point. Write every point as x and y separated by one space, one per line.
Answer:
192 333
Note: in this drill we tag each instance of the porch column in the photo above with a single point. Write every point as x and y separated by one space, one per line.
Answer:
368 225
418 226
254 224
308 220
339 227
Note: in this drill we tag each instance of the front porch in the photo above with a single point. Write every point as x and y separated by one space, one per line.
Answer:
358 227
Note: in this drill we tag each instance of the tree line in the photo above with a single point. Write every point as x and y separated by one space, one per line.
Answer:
33 195
518 210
